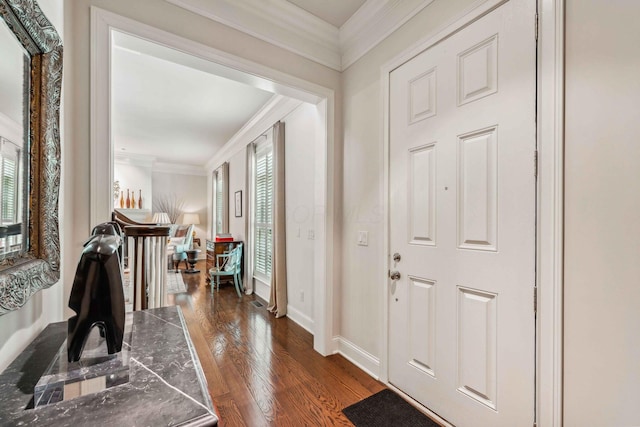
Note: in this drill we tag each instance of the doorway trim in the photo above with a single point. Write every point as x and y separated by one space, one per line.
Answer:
550 196
101 144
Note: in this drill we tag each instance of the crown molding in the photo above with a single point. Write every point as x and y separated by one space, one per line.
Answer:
178 169
275 109
146 161
372 23
287 26
133 159
277 22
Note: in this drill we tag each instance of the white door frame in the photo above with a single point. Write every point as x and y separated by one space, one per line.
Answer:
550 196
101 144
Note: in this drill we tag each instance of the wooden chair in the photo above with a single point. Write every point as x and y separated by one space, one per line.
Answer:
228 264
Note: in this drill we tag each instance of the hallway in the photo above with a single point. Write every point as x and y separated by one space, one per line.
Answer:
263 371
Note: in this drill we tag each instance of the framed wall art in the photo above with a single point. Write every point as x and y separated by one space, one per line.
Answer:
238 203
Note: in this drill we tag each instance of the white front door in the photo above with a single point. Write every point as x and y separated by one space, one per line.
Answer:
462 219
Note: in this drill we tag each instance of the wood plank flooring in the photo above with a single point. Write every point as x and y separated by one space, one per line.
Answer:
263 371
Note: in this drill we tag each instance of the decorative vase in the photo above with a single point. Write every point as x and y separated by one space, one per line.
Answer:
133 199
140 200
122 199
128 200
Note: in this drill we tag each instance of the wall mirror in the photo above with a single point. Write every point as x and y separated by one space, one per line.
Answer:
30 85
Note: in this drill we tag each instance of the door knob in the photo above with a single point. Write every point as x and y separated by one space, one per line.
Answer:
397 257
394 275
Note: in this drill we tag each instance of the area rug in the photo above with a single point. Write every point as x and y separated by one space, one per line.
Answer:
175 284
386 408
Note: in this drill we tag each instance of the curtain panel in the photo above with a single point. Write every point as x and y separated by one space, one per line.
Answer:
248 224
278 297
221 199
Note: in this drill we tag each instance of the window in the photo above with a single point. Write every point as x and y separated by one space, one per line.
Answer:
263 220
220 198
9 182
219 180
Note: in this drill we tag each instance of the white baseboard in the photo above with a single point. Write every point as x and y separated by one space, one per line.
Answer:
261 289
300 318
362 359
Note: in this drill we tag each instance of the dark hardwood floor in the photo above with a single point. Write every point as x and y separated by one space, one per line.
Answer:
263 371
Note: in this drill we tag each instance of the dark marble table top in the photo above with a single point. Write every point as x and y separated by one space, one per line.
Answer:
166 386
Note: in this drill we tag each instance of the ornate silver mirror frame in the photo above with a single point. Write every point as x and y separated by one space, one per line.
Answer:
38 267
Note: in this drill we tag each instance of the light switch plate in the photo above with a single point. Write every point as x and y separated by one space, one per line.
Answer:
363 238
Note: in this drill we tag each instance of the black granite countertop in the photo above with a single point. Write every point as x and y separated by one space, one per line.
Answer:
166 386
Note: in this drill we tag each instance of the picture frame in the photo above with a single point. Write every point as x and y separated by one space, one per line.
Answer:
36 265
238 204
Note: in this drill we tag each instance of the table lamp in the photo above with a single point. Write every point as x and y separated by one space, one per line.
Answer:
161 218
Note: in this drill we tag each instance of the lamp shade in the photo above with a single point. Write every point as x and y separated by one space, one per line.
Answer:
191 218
161 218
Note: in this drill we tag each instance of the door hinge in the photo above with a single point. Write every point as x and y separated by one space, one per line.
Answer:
535 163
536 26
535 301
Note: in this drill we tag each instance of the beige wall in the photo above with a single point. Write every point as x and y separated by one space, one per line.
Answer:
300 193
192 190
237 182
602 222
300 128
137 179
362 210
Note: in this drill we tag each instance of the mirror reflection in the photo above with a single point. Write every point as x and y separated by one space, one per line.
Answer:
29 236
13 142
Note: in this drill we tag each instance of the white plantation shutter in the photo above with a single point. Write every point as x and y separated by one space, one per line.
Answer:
219 203
9 187
221 197
9 170
263 209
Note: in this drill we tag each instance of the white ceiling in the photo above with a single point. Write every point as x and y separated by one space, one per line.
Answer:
170 107
170 111
335 12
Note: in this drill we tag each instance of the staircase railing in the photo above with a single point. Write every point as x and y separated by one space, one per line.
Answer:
146 260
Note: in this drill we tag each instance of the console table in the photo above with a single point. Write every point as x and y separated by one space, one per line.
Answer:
166 384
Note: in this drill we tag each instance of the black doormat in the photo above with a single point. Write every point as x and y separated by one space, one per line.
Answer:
386 408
